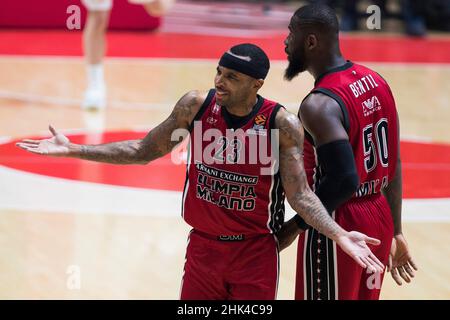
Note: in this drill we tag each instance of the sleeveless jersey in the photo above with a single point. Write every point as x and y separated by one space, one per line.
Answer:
232 186
370 118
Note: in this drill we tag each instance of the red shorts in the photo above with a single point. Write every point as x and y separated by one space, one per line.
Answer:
230 270
324 271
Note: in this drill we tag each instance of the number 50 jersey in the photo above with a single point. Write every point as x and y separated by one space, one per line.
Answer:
370 119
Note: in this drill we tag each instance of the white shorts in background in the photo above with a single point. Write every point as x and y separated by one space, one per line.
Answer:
106 5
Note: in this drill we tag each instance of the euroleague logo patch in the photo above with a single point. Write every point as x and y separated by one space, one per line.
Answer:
260 120
258 125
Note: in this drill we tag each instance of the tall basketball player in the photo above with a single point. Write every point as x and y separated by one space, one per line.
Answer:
94 44
235 182
352 161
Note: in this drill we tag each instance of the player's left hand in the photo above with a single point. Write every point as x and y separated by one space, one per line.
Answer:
287 234
355 245
401 265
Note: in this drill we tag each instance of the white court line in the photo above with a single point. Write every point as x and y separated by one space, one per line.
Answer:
5 139
21 190
61 101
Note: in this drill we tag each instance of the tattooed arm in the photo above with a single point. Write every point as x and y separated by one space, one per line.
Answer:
157 143
299 195
306 203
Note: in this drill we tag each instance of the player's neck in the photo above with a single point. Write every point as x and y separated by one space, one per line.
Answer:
242 108
326 64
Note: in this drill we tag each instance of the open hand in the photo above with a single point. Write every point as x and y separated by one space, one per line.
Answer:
401 265
355 245
57 145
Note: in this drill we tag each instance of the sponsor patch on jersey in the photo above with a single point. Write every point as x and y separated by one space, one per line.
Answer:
237 237
258 126
211 120
216 109
260 120
371 105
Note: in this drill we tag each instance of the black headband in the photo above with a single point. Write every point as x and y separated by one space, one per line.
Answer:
243 66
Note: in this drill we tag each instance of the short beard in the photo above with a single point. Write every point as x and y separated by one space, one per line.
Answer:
294 69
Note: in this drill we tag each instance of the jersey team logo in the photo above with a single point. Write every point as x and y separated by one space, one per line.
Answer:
260 120
211 120
371 105
216 109
258 126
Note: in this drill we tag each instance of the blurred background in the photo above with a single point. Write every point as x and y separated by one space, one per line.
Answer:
78 230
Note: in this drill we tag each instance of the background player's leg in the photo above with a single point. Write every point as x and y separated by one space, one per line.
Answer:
94 44
370 286
155 8
351 217
300 277
372 217
324 272
380 213
350 276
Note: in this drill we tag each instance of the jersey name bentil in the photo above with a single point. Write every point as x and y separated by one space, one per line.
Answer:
363 85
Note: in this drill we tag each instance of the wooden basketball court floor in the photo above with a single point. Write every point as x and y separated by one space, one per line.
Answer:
129 243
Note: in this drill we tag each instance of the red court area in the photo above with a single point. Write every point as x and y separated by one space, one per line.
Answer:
426 167
174 45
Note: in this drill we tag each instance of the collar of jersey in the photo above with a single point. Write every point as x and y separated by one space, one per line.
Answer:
343 67
244 120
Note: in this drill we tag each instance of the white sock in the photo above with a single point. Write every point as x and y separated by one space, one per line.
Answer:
95 75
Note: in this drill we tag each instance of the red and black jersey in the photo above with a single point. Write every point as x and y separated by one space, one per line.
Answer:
370 118
233 186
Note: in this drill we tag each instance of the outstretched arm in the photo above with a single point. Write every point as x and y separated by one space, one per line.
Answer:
306 203
157 143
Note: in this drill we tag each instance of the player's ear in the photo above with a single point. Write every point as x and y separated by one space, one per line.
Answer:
311 41
258 84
